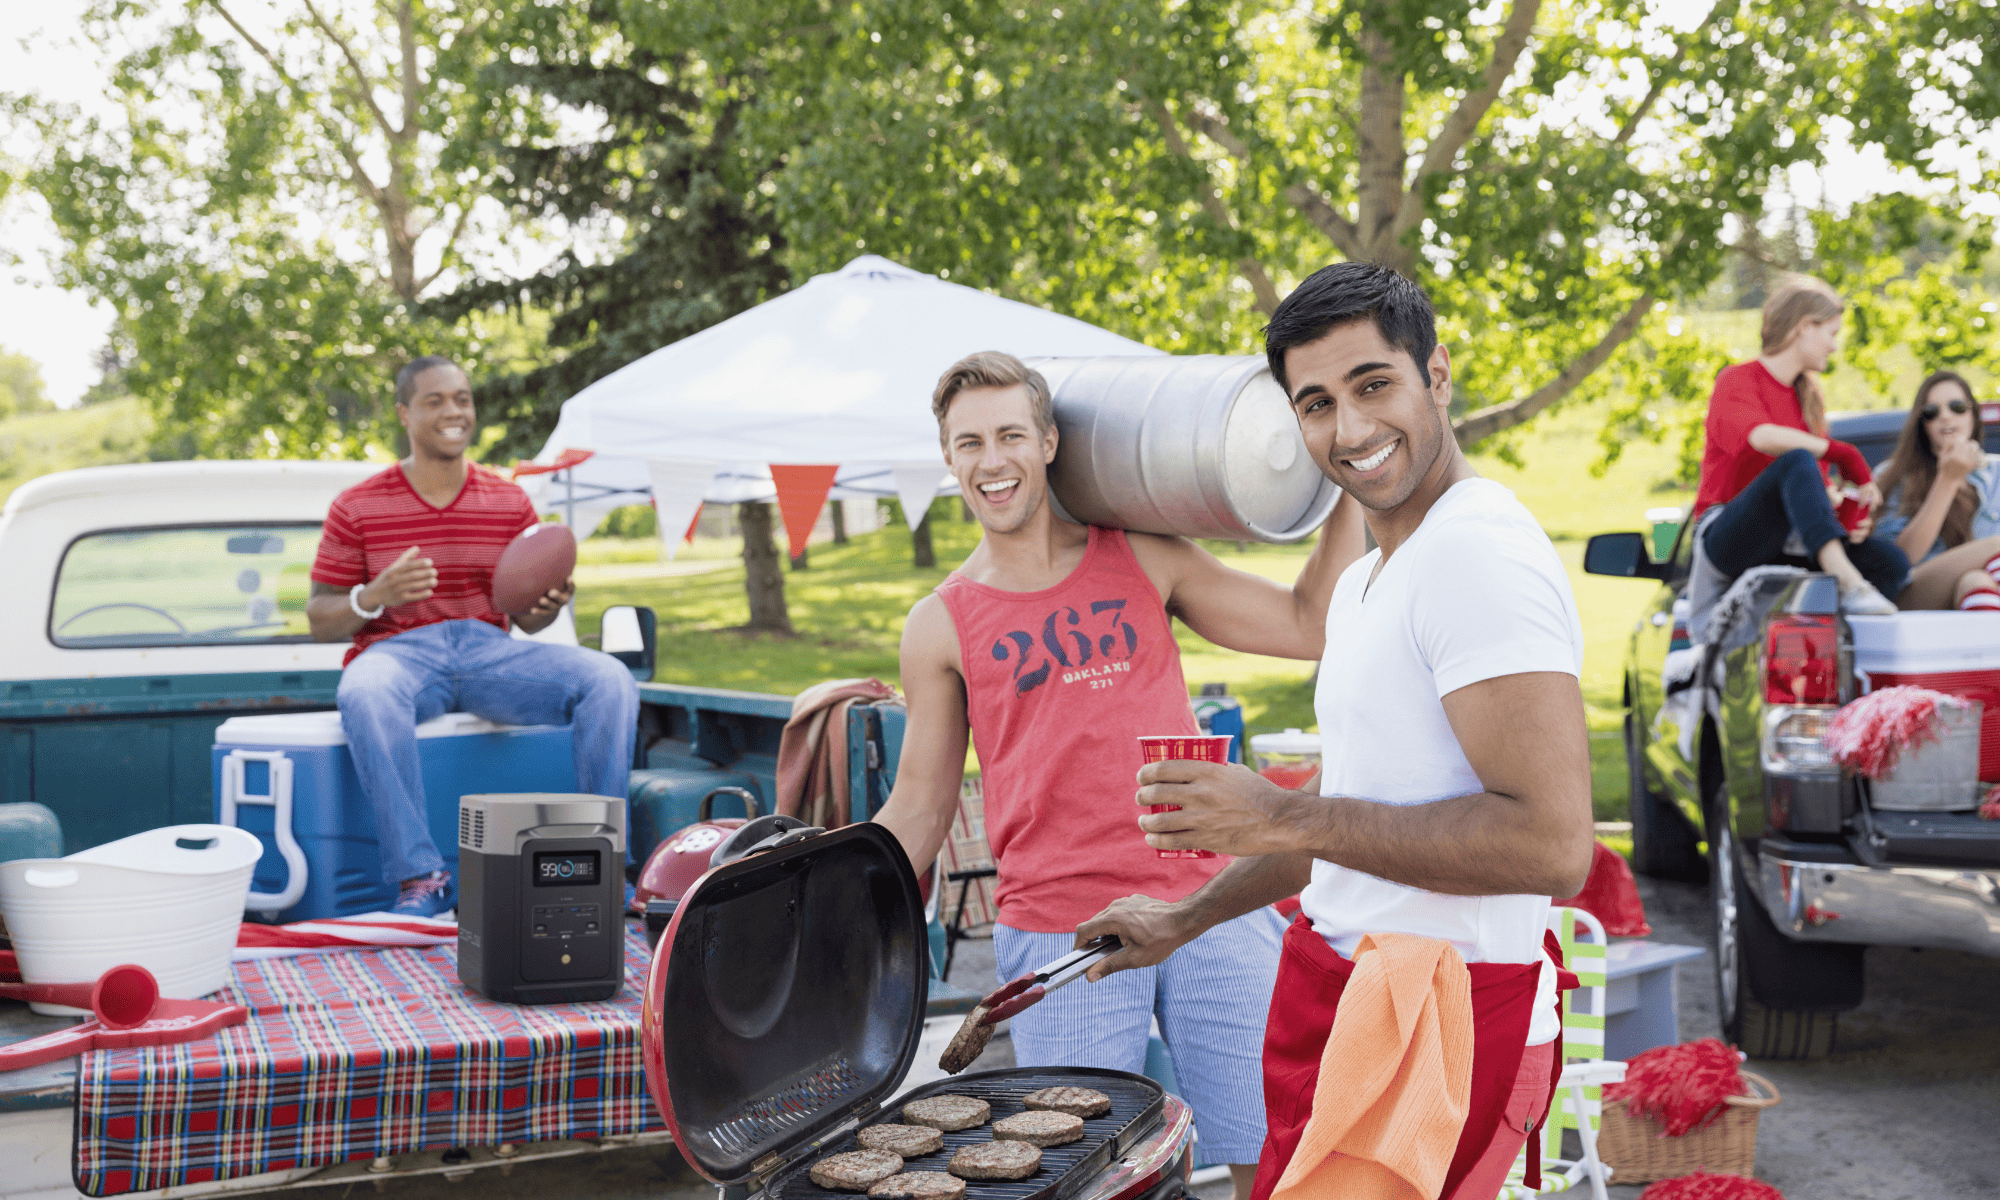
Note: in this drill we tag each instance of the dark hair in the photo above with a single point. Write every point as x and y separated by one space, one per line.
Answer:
1347 292
1913 467
406 379
992 369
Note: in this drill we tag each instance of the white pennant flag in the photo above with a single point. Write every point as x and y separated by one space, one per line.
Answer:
678 487
917 485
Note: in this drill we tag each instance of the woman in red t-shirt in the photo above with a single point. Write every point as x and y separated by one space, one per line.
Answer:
1767 459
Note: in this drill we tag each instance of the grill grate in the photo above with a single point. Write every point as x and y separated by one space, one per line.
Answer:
764 1119
1136 1105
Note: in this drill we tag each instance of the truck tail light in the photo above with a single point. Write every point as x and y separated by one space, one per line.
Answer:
1794 740
1802 660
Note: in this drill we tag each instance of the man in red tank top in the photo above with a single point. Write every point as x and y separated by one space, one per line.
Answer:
1052 649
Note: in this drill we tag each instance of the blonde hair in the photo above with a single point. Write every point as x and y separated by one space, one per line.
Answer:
993 368
1799 299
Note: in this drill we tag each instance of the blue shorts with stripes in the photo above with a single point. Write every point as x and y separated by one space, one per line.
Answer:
1211 997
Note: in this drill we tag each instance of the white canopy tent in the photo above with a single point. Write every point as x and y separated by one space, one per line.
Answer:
836 373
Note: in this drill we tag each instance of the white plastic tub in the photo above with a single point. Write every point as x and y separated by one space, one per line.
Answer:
167 899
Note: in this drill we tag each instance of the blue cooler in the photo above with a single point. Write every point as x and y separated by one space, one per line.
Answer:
289 779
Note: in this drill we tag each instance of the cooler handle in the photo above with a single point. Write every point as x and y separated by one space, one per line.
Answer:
280 798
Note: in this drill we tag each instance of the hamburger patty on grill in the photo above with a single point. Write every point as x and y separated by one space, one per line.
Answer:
949 1113
906 1140
919 1185
855 1171
996 1160
1039 1128
1077 1101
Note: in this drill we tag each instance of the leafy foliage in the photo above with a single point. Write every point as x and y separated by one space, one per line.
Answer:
661 161
21 387
257 209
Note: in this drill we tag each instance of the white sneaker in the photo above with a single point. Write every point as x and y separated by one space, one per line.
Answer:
1863 600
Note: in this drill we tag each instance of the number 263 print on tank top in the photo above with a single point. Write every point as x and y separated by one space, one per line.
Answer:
1086 647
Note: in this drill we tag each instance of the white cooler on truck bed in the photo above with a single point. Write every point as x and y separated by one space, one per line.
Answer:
289 778
1952 652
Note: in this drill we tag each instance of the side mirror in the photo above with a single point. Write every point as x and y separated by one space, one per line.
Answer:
1623 555
630 634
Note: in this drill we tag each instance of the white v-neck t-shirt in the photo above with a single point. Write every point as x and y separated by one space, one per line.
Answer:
1475 593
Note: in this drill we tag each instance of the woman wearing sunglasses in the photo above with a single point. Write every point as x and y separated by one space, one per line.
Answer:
1765 497
1944 500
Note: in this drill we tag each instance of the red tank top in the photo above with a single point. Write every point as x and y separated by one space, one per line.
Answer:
1060 684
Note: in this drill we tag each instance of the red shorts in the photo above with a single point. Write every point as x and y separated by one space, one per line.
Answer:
1511 1084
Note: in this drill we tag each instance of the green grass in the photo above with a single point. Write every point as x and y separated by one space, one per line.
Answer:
41 443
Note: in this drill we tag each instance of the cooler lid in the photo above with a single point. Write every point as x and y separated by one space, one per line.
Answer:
322 728
1291 741
786 996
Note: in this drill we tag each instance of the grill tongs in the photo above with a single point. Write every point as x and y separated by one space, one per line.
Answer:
971 1039
1019 994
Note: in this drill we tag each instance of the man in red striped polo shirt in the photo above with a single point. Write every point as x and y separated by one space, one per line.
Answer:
405 569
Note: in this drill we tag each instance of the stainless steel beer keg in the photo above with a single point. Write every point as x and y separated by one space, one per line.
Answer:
1199 445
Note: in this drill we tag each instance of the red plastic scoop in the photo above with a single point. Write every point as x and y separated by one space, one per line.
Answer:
127 1010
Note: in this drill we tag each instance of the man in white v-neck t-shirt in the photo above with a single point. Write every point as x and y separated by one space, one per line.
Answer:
1454 797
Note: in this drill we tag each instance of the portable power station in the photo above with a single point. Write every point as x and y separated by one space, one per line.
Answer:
541 897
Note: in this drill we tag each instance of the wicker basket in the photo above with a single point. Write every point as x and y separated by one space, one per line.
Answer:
1640 1152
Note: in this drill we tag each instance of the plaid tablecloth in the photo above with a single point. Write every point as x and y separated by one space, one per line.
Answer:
353 1055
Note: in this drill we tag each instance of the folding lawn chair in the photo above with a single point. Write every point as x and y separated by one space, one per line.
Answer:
1578 1102
968 862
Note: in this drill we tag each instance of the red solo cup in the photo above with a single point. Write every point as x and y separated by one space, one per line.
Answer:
1851 511
1200 748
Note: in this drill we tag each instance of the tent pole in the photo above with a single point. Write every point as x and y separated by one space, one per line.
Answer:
569 482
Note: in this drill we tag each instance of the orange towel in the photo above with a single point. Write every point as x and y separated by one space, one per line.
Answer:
1395 1080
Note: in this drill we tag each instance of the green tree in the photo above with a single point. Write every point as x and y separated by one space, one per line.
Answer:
21 388
1554 173
279 186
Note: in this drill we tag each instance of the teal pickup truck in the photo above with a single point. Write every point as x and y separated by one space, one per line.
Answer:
149 603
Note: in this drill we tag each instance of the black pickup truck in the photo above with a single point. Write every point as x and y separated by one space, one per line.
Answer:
1731 779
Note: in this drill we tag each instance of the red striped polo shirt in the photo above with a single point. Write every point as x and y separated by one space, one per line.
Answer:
372 523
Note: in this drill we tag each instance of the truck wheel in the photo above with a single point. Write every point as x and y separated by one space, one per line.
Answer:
1777 998
1662 844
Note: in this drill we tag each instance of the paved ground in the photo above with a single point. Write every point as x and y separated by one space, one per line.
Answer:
1905 1108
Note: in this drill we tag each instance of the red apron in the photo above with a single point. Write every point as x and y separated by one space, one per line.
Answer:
1311 978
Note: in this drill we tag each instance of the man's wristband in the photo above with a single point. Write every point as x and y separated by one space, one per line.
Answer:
354 602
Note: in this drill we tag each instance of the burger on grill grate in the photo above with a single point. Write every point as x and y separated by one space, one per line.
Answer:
949 1113
996 1160
1077 1101
1039 1128
919 1185
906 1140
855 1171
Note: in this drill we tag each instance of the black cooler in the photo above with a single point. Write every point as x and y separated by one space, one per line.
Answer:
785 1001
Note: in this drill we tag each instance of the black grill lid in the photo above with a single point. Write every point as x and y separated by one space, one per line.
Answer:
786 997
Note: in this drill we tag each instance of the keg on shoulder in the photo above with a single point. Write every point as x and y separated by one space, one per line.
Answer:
1202 446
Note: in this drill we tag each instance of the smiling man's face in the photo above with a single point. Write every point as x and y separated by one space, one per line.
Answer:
1372 420
439 416
1000 459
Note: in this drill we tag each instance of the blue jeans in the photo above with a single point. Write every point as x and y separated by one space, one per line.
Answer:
1211 997
1789 495
469 666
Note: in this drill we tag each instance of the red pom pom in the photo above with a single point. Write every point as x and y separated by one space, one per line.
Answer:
1989 810
1703 1186
1682 1087
1869 735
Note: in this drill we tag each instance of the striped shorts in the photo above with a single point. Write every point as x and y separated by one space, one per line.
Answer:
1211 998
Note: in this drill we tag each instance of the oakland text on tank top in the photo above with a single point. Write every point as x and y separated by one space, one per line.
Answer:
1060 684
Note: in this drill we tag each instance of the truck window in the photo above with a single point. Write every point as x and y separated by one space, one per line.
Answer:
186 585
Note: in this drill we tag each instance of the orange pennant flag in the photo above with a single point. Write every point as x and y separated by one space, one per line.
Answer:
696 520
802 493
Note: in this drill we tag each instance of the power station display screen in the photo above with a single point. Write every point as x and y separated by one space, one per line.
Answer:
566 868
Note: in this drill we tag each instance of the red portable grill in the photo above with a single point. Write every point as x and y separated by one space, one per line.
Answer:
785 1002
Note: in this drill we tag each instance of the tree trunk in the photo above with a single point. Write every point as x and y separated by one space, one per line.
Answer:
965 511
800 561
840 522
921 553
762 580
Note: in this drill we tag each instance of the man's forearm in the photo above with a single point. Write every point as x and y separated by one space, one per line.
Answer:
1475 845
1246 885
329 616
